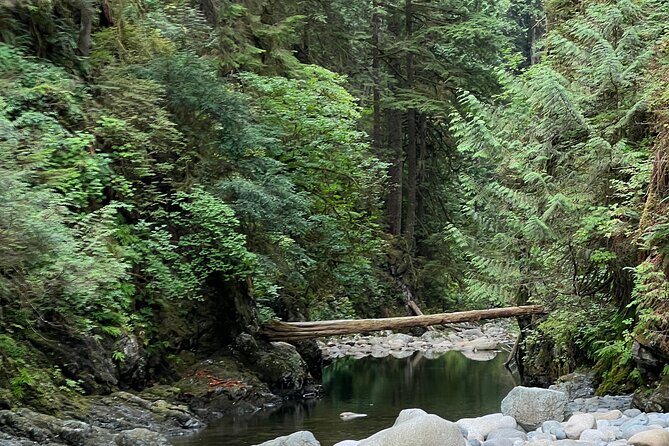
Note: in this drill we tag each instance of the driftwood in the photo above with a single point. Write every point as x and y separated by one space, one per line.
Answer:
290 331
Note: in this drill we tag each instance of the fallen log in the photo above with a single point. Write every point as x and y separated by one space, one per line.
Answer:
291 331
417 311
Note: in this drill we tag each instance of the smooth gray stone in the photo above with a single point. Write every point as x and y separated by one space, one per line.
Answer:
554 428
630 431
301 438
631 413
531 406
498 442
426 430
506 433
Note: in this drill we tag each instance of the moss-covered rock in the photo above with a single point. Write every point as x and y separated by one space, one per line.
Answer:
223 385
276 363
653 399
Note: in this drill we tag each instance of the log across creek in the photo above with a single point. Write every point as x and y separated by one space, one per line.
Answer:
292 331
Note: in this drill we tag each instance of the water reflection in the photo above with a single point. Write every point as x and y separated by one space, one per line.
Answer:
451 386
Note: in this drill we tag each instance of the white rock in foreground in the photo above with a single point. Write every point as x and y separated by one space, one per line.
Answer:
301 438
479 428
418 430
531 406
655 437
579 423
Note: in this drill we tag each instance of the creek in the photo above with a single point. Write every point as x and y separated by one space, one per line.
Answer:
451 386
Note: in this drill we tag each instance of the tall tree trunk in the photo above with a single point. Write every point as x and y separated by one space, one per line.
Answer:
376 94
412 165
422 173
210 10
85 28
394 134
394 204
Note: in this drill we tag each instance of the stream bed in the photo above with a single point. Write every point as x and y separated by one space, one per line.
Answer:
451 386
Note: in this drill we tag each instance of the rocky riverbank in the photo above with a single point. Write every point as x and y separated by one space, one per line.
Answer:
527 417
246 378
478 343
252 376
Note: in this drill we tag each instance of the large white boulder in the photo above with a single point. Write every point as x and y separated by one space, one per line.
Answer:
420 430
531 406
301 438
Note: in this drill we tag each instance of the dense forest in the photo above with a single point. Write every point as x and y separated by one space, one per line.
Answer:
173 173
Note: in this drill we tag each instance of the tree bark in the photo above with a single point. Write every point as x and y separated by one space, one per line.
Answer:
394 143
422 178
412 165
210 10
85 28
376 93
277 330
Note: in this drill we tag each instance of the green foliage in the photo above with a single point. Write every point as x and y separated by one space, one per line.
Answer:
553 192
315 190
209 244
22 382
206 147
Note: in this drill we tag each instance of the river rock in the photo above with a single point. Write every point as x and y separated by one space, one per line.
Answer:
347 443
426 430
506 433
659 419
301 438
399 340
498 442
25 424
639 420
655 437
554 428
401 354
561 443
656 399
610 415
482 344
578 423
631 431
276 363
141 437
595 436
432 336
482 356
535 436
576 385
480 427
531 406
471 333
608 402
409 414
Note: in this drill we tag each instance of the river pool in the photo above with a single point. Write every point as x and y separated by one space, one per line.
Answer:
451 386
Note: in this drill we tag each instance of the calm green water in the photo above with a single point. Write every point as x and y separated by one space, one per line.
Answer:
451 386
